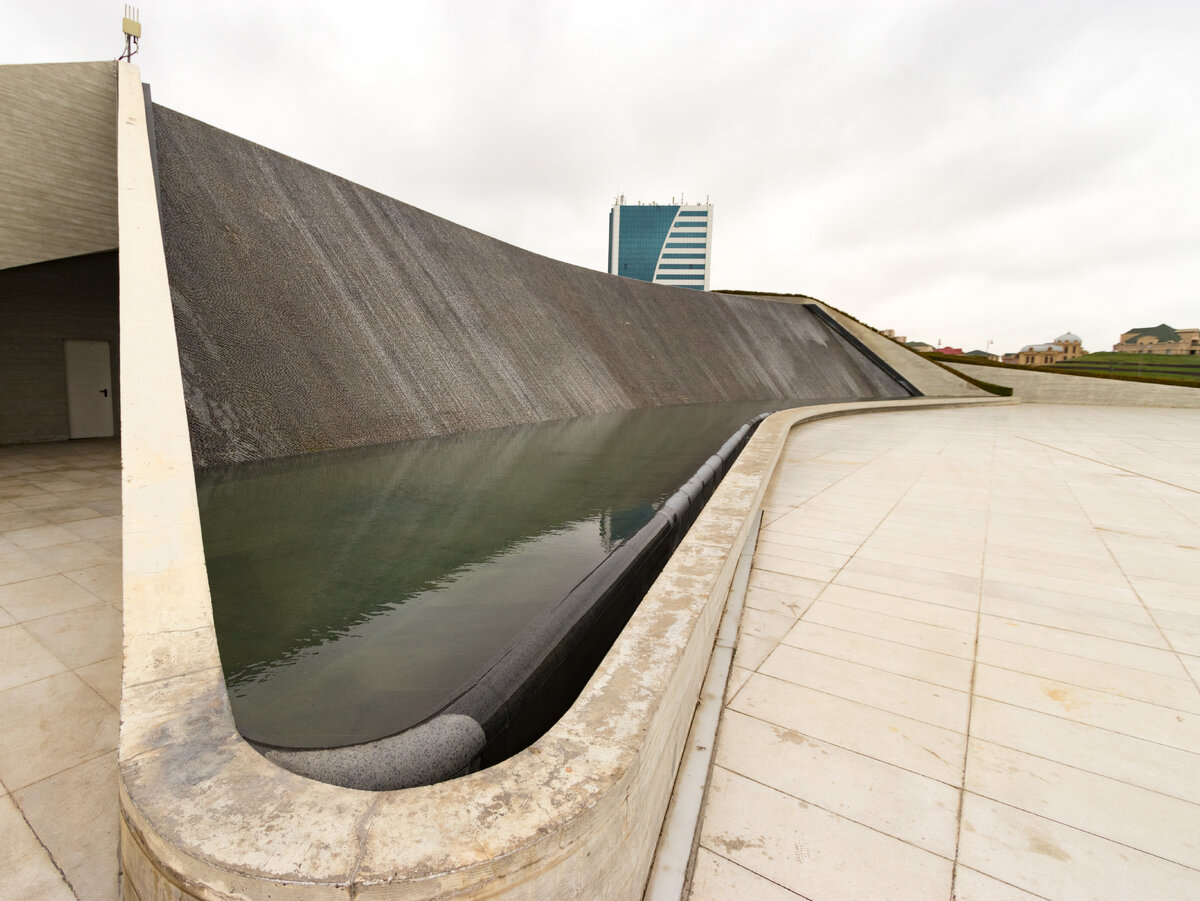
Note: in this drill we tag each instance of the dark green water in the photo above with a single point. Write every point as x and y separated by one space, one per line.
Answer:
356 592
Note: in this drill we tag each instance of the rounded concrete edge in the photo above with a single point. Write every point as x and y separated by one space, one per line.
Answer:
203 815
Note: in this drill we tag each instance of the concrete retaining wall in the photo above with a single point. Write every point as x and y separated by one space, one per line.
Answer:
1066 388
58 153
314 314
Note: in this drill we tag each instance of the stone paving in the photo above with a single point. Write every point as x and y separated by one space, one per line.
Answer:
968 664
60 669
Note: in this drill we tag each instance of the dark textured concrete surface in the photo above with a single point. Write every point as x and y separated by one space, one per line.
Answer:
314 314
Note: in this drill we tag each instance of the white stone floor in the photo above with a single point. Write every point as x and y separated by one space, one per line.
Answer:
968 664
60 669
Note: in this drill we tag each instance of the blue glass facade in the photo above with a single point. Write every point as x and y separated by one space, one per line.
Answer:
642 232
639 236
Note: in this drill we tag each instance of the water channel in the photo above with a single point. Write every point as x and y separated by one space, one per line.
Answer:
356 592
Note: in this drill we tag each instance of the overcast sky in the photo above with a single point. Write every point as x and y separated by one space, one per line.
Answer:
957 171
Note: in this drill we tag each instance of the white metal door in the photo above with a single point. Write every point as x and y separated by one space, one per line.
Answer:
89 389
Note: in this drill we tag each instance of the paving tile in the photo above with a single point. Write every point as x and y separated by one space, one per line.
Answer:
904 608
1123 653
1183 642
1105 807
800 540
1191 663
98 527
928 666
21 566
51 725
1139 719
770 548
811 851
22 659
737 678
970 885
74 814
1056 861
80 554
967 584
791 567
39 537
966 563
903 631
104 581
1130 609
919 700
759 598
1117 590
717 879
29 873
784 584
43 597
951 597
1113 678
81 636
15 522
887 798
751 651
1144 633
928 750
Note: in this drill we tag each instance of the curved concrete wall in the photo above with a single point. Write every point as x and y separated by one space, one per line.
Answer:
1037 387
314 314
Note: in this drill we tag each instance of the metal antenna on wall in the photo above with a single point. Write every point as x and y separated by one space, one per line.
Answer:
133 32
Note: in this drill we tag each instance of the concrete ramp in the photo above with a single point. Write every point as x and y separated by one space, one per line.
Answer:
315 314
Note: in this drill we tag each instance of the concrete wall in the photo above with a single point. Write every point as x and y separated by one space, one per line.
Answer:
1066 388
40 305
930 379
58 161
314 314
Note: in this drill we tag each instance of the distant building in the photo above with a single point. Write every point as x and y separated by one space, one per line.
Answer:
891 333
982 354
664 244
950 351
919 346
1066 346
1160 339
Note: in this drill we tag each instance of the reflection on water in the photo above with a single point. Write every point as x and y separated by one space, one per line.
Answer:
356 592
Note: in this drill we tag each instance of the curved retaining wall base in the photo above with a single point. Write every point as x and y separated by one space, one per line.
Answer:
205 816
577 814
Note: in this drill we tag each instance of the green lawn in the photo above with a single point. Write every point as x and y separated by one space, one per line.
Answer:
1186 368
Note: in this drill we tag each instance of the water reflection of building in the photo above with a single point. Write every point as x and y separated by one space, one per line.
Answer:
1160 339
665 244
616 526
1066 346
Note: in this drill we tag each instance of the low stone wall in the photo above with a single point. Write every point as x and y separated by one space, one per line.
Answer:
1069 388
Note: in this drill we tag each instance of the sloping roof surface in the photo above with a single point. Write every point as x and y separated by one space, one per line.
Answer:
1162 332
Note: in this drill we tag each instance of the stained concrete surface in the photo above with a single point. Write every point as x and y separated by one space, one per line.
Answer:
968 664
60 669
315 314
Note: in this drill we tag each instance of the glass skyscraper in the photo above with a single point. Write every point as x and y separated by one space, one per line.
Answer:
667 245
